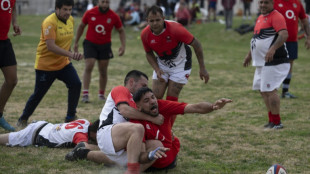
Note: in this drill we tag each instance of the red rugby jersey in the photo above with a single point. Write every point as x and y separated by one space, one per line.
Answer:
100 25
6 9
291 10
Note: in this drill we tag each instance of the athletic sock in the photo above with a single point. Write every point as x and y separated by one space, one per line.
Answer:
270 117
286 83
133 168
101 92
276 118
85 92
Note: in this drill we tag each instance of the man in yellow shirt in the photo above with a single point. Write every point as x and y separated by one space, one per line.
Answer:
53 61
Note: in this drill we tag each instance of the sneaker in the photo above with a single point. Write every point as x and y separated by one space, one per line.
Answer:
288 95
278 126
269 125
69 119
85 99
79 152
21 124
6 125
101 97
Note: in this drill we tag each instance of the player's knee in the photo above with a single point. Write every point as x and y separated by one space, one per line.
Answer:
11 83
137 129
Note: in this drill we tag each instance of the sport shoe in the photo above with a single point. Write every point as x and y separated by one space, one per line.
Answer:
79 152
69 119
269 125
85 99
101 97
288 95
6 125
21 124
278 126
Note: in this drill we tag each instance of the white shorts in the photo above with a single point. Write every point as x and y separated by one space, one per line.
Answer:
105 143
173 75
24 136
269 78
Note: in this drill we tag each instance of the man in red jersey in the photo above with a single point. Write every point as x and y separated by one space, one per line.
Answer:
173 61
147 103
270 58
7 58
292 10
97 46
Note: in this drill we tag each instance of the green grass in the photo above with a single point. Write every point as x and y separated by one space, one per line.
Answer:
231 140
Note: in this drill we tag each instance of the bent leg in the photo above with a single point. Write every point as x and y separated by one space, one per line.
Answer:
159 88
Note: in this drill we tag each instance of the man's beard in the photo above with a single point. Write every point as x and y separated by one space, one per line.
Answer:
149 113
102 10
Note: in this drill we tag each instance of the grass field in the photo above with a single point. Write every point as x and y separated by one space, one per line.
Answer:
231 140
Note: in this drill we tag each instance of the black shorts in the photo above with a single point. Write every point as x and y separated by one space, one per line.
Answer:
97 51
292 48
7 57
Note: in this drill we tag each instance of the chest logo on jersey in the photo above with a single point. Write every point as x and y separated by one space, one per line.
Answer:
280 5
168 39
294 5
93 18
148 126
153 41
109 20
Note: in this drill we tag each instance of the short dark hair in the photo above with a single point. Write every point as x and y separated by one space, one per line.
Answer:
140 92
134 74
93 128
60 3
154 9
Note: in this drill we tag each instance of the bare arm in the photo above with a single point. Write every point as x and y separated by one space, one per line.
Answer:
79 33
206 107
51 46
133 113
150 56
247 59
282 36
16 28
204 75
305 24
122 37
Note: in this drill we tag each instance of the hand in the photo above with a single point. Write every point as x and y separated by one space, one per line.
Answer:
247 61
159 152
269 55
76 47
203 73
307 42
159 75
77 56
121 51
159 120
221 103
17 30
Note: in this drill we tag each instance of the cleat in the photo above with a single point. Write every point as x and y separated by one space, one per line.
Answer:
69 119
21 124
269 125
288 95
6 125
85 99
278 126
101 97
79 152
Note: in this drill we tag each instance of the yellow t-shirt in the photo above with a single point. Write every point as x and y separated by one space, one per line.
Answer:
53 28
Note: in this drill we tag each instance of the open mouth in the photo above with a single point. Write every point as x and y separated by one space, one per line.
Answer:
154 108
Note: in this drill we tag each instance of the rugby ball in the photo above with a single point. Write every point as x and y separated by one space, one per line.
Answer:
276 169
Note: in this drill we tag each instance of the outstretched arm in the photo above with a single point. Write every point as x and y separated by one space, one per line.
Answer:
206 107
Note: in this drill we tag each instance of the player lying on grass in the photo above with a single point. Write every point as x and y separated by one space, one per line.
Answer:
147 102
42 133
